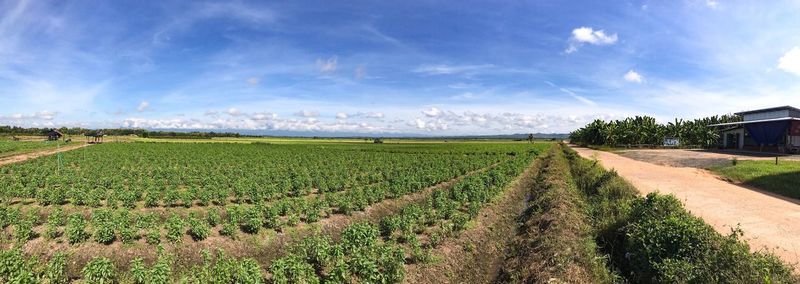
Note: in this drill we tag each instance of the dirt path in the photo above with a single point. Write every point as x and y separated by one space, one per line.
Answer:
767 221
36 154
695 158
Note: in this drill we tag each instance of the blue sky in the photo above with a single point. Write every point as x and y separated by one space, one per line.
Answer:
426 67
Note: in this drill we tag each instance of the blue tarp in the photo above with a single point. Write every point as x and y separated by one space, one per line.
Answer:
768 132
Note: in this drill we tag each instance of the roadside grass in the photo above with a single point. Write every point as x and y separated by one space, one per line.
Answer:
780 179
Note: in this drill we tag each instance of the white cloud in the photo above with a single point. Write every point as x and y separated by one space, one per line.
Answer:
341 115
633 76
234 111
432 112
144 105
584 35
374 115
790 62
580 98
713 4
329 65
307 113
42 115
263 116
253 80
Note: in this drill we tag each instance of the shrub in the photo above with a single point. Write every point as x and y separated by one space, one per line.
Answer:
213 218
23 230
175 229
55 272
153 236
99 270
199 230
138 271
251 221
14 268
292 269
359 235
104 233
76 229
228 229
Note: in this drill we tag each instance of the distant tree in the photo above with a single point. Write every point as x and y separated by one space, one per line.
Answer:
530 137
377 141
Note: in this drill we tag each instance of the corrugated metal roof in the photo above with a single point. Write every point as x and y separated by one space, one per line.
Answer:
755 121
767 109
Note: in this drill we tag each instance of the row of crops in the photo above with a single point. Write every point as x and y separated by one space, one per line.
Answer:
254 188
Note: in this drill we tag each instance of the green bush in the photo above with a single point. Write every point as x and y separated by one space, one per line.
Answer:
175 229
76 229
252 221
199 230
99 270
15 269
293 269
55 272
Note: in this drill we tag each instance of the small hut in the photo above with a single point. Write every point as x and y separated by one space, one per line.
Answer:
54 135
94 137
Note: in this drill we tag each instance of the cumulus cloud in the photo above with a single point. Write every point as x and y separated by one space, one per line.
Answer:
329 65
432 112
633 76
307 113
374 115
234 111
587 35
341 115
144 105
790 62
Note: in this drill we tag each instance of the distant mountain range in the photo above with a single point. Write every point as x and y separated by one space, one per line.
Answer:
283 133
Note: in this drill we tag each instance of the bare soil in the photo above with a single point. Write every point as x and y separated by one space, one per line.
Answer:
768 221
478 253
701 159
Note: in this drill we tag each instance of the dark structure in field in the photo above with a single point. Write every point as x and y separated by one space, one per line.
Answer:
94 137
54 135
774 129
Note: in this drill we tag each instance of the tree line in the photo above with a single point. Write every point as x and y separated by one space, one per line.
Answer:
16 130
644 130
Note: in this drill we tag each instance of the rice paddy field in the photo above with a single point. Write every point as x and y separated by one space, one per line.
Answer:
250 211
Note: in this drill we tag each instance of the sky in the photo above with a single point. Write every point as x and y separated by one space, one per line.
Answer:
406 67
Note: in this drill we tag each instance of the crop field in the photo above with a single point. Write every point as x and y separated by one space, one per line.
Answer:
191 211
155 212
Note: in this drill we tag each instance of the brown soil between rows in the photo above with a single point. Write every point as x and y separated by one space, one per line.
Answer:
478 253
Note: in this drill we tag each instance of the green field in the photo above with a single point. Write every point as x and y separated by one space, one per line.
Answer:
10 148
783 178
182 198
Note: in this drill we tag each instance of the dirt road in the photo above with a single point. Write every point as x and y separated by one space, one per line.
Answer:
36 154
767 221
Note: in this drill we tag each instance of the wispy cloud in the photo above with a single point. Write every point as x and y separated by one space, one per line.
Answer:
144 105
444 69
329 65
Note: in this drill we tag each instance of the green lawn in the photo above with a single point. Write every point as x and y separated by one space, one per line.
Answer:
783 179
